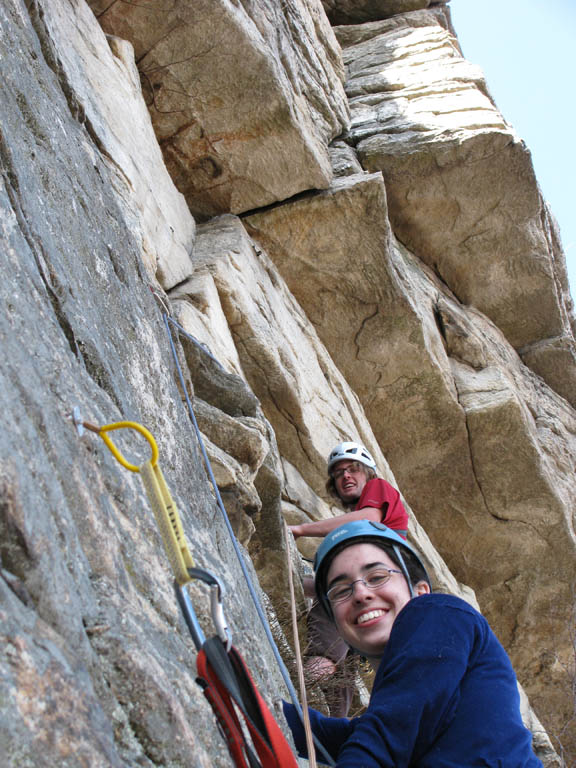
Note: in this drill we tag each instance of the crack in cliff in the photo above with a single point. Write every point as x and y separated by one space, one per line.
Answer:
46 45
75 107
472 463
431 269
17 552
440 324
104 11
363 324
165 36
477 481
54 290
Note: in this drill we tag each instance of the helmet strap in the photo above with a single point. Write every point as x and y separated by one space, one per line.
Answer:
404 569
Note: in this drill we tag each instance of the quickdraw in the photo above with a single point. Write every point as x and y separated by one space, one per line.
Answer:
222 672
229 688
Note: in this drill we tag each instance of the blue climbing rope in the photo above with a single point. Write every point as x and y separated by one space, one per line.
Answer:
262 616
203 347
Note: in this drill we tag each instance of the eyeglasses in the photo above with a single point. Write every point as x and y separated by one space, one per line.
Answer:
373 579
352 469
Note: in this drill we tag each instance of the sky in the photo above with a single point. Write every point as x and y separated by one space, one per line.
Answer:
527 49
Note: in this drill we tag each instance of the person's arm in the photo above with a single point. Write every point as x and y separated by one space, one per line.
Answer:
332 732
323 527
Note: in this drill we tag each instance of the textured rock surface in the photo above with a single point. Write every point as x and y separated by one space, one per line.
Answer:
461 189
102 86
244 97
303 394
97 668
281 357
358 33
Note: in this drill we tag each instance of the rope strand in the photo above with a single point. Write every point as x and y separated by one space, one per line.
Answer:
220 503
299 665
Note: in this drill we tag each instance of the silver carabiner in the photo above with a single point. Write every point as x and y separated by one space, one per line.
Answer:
216 608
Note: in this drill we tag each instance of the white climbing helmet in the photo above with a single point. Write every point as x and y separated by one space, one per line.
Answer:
352 452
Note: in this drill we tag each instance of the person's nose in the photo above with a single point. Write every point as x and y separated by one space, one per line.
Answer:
360 591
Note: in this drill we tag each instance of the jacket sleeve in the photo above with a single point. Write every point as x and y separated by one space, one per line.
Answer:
332 732
416 689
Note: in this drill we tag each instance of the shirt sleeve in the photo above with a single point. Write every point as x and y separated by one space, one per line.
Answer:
416 689
332 732
381 495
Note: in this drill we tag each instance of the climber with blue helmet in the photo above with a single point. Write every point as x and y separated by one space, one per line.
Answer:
444 691
351 479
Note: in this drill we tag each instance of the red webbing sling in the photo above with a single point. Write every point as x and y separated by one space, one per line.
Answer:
229 688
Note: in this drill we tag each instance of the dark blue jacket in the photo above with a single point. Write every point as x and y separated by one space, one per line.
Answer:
445 696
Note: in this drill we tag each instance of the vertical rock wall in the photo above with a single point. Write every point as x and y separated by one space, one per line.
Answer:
364 264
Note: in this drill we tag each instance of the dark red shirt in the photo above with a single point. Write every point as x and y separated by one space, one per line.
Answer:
379 494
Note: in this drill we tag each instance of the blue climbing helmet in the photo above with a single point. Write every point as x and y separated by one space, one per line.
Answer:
359 532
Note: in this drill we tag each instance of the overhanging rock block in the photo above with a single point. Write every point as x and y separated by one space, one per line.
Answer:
360 11
244 98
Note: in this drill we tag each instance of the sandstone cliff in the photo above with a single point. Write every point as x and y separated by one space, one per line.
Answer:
354 237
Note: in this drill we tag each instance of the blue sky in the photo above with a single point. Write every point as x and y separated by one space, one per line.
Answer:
527 49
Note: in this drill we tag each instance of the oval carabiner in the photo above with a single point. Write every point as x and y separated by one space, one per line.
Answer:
116 453
216 608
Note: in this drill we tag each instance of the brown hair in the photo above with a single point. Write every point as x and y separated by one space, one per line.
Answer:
331 485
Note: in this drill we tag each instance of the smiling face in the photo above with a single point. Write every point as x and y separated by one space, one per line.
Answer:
365 620
349 480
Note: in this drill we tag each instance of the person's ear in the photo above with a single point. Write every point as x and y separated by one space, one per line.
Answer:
422 588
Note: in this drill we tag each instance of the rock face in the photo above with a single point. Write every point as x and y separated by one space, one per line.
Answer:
244 97
349 310
461 189
455 411
118 125
97 668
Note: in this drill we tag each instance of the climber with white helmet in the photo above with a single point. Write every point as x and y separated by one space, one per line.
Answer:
352 479
444 691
